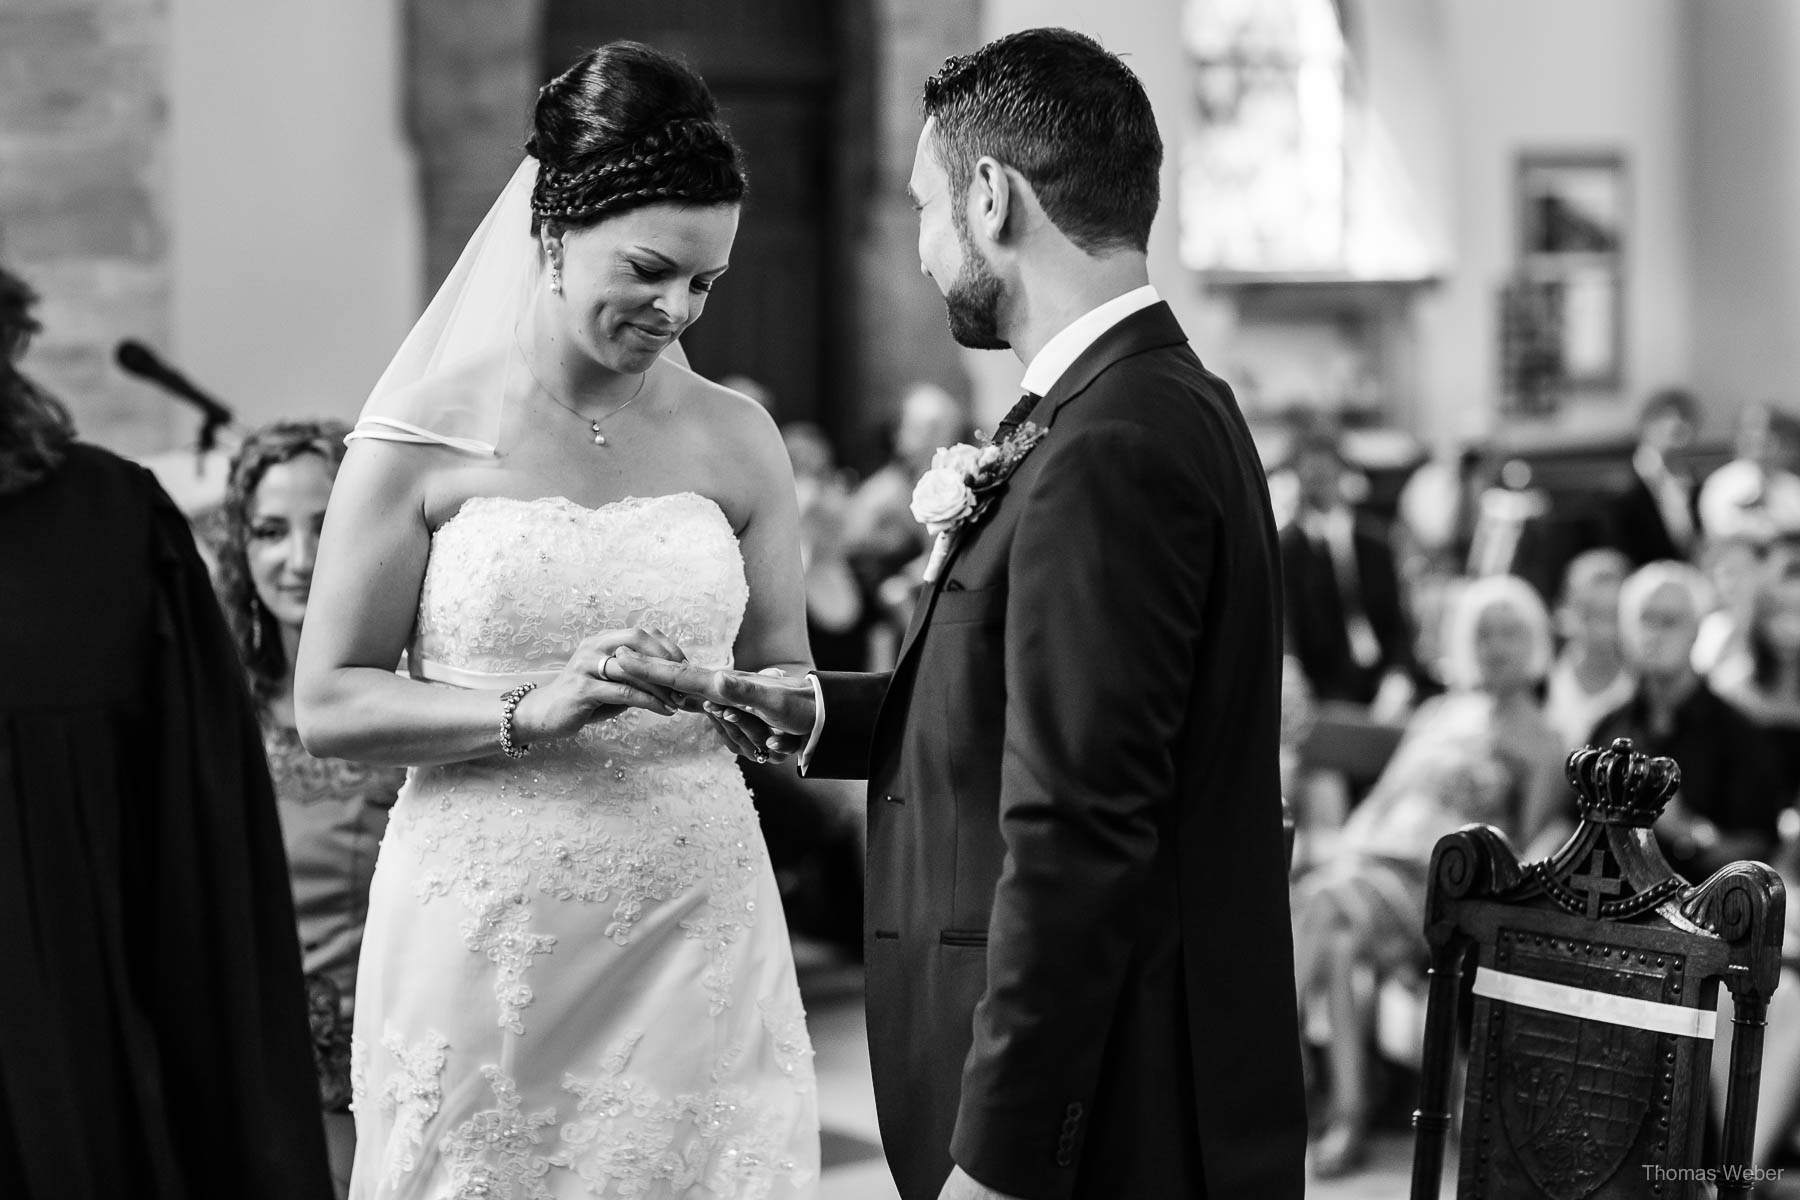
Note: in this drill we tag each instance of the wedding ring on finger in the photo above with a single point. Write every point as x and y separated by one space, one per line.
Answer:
604 663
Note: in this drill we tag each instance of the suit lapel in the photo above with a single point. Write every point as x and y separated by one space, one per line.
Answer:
1149 328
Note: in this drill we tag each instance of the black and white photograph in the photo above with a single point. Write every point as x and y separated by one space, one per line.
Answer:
922 600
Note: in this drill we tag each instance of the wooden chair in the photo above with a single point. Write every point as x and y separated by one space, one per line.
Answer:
1596 993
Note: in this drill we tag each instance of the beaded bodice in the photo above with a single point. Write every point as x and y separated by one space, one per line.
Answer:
513 586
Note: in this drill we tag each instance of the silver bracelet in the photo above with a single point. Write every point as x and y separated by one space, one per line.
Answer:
509 704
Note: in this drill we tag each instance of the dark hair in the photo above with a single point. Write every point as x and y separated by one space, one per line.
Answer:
252 626
1315 433
1678 400
627 126
1067 115
34 426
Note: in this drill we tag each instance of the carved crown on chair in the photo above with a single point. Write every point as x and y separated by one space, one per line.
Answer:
1620 787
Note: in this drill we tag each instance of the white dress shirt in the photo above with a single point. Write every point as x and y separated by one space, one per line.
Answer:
1046 367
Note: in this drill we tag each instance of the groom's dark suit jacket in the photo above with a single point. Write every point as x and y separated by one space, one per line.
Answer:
1080 971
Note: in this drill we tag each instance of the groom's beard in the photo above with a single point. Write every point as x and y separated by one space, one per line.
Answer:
973 302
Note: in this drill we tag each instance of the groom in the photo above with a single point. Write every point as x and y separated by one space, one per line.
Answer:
1080 974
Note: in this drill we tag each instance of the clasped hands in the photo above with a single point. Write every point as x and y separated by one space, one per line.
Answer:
765 716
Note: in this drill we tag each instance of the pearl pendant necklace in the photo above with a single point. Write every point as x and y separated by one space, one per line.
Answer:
592 422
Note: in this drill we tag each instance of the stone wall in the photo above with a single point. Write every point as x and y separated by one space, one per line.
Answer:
902 336
472 77
83 201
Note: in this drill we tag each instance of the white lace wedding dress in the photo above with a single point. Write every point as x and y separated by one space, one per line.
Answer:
576 980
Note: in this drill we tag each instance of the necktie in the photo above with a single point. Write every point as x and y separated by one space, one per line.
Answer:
1335 536
1015 416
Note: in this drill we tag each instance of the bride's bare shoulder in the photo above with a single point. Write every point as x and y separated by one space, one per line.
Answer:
728 413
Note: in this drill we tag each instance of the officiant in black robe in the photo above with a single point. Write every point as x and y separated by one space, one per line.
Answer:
153 1039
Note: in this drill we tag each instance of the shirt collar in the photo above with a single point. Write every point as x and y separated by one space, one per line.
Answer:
1060 352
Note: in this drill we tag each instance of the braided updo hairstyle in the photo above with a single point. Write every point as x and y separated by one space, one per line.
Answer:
624 127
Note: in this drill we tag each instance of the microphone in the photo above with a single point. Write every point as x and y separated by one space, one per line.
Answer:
140 360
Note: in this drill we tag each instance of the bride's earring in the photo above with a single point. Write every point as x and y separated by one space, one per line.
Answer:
256 625
555 280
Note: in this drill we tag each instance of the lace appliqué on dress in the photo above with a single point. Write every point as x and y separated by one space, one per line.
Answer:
665 830
410 1096
785 1020
630 1138
494 1154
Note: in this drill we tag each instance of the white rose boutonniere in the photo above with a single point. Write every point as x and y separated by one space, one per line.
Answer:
942 497
963 482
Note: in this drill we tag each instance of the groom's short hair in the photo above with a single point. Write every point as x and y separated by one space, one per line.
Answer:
1066 114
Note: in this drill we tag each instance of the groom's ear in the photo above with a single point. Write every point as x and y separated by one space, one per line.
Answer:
992 199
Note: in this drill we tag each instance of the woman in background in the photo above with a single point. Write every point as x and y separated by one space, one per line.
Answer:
1770 694
1588 679
1482 752
333 812
152 1024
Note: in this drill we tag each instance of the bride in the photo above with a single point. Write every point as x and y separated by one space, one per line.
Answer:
575 979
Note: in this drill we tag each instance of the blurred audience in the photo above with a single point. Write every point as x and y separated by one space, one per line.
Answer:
1770 693
1730 794
1655 516
885 544
1346 621
1481 752
333 812
1756 496
1732 565
1588 680
835 605
152 1017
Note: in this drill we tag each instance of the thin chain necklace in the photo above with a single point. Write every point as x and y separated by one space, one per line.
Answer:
593 422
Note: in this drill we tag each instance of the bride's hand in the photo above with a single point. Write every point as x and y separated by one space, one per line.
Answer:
591 687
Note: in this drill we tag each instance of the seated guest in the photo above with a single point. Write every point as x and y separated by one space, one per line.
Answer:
152 1020
1482 752
333 812
1654 517
1345 620
1756 496
1730 792
1732 566
1588 679
1770 694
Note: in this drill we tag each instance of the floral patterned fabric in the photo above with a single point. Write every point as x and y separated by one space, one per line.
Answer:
576 980
333 814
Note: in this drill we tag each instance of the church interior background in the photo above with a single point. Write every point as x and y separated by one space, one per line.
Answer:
1392 211
265 195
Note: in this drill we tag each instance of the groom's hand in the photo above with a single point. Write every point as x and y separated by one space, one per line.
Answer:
771 713
961 1187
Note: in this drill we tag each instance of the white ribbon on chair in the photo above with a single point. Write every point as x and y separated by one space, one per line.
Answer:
1595 1006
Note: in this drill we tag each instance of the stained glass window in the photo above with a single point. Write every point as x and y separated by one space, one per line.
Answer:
1283 168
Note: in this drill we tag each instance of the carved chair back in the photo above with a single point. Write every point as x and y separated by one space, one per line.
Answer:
1597 976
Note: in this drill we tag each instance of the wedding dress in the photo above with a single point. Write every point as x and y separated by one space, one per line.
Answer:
575 979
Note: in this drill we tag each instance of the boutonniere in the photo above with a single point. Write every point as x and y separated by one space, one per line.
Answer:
963 483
